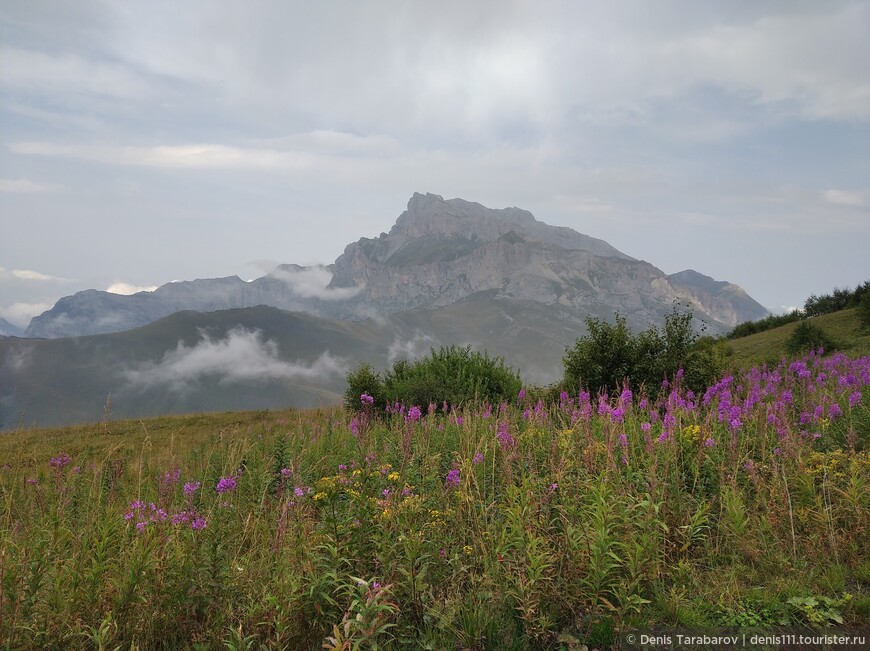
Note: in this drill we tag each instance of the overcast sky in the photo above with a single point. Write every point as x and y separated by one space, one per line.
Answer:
144 142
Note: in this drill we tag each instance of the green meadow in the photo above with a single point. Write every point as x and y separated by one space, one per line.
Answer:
519 525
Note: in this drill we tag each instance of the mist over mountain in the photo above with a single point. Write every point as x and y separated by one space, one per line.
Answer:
9 329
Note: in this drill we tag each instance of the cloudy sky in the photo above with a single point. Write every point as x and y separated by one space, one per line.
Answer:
142 142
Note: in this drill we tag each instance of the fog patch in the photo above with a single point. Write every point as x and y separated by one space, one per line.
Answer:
417 346
313 282
18 359
242 356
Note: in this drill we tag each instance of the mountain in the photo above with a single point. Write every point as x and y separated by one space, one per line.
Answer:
448 272
9 330
438 252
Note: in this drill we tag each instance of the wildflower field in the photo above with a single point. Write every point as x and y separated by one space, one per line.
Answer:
508 526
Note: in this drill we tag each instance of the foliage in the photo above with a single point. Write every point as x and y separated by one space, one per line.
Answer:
363 379
807 337
519 525
864 310
611 355
450 375
839 299
767 323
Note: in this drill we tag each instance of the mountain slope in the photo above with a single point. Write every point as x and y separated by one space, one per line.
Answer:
438 252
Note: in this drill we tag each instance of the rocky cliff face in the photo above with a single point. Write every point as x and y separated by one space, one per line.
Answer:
438 253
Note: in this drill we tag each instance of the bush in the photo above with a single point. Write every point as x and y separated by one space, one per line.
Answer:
451 374
611 355
864 310
363 379
808 337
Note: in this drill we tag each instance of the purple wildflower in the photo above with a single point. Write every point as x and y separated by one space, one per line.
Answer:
452 479
645 427
198 523
286 472
366 399
298 491
191 487
709 442
854 399
414 413
478 458
504 437
226 484
59 462
521 394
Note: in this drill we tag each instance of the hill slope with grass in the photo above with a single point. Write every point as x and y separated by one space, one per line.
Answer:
844 327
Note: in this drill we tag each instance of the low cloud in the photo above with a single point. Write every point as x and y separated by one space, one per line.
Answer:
313 282
29 274
20 314
417 346
127 289
242 356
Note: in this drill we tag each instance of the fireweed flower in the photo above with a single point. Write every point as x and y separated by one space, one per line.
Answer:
191 487
709 442
452 479
172 477
226 484
478 458
521 394
504 438
366 399
645 427
854 399
414 414
59 462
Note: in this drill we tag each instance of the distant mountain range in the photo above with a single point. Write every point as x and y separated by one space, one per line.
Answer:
449 271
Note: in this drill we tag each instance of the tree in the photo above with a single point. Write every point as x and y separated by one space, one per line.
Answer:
808 337
611 355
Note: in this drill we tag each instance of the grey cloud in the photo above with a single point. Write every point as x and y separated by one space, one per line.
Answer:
242 356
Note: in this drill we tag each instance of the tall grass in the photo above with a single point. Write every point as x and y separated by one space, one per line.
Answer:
510 526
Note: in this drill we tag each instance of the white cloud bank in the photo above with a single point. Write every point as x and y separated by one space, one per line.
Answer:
126 289
243 356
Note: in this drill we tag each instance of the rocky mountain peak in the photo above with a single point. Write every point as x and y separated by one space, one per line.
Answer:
431 214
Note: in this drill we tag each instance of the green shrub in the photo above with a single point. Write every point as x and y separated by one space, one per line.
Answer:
807 337
864 310
450 374
363 379
611 355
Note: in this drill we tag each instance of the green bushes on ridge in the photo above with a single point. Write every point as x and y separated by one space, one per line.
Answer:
450 374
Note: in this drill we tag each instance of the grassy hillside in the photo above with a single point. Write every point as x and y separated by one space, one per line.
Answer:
514 526
769 346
